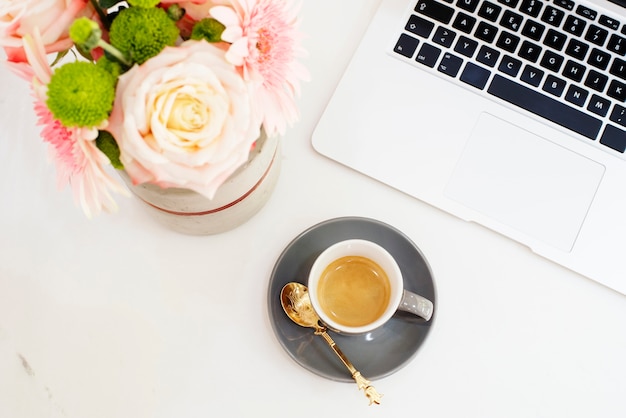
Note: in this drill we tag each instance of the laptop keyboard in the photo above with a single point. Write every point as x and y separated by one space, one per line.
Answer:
560 60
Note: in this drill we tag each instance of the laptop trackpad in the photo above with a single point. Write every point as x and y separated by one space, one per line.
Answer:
525 182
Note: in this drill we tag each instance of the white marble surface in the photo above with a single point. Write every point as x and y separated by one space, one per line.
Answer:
118 317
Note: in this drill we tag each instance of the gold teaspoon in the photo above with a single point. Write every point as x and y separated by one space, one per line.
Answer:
294 298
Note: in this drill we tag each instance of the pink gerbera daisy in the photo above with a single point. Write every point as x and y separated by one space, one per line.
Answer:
80 163
265 44
78 160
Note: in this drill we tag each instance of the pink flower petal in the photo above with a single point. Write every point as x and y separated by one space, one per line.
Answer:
265 44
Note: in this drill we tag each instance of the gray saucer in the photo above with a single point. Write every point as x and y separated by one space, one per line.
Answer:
376 354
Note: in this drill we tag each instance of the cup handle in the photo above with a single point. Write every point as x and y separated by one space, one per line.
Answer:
416 304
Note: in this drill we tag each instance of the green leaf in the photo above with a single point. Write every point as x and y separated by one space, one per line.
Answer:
106 4
59 57
209 29
106 143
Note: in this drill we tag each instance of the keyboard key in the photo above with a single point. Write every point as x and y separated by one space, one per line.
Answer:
617 90
614 138
599 59
596 35
544 106
618 115
419 26
617 44
428 55
566 4
464 23
486 32
511 20
574 70
618 68
531 7
586 12
609 22
576 49
510 3
466 46
433 9
507 41
469 5
599 105
555 39
475 75
551 61
510 66
529 51
574 25
532 75
554 85
553 16
406 45
444 36
576 95
450 64
489 11
487 56
533 29
596 80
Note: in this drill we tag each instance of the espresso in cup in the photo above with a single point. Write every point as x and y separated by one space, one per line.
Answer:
354 291
356 286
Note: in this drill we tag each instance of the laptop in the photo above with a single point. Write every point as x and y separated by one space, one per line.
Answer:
507 113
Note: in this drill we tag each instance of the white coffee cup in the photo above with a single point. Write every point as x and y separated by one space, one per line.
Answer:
356 286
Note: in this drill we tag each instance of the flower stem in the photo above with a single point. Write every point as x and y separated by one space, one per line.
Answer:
115 53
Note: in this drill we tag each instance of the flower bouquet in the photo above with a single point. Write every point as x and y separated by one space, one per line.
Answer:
175 93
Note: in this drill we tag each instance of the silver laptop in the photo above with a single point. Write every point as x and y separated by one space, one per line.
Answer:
508 113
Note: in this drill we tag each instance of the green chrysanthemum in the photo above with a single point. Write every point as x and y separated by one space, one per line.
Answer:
208 29
143 3
106 143
175 12
85 32
112 67
81 94
141 34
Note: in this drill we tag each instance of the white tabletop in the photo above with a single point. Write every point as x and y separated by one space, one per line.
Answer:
119 317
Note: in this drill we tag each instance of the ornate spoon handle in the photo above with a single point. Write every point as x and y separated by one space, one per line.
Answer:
362 383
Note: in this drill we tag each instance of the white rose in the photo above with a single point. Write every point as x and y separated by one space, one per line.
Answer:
184 119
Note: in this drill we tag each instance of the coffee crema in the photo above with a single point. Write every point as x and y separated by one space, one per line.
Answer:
354 291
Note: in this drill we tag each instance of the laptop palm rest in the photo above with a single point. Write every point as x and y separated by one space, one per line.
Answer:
524 182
